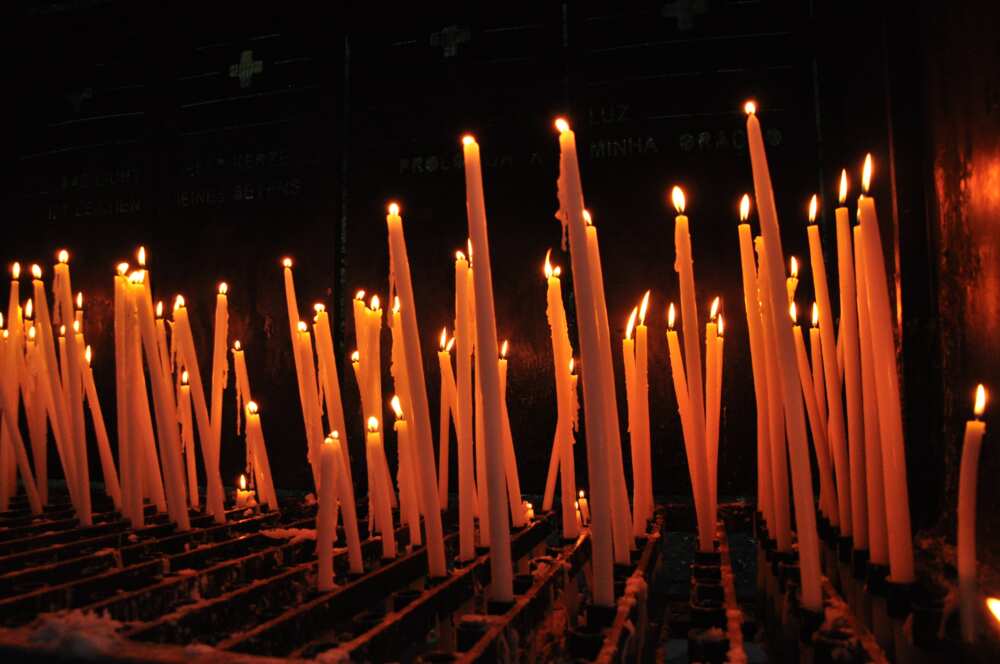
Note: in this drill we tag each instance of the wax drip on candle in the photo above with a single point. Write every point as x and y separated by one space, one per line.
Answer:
15 271
745 208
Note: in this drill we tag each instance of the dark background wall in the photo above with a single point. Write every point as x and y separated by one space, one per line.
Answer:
132 126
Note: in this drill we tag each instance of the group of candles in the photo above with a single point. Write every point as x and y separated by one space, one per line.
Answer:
156 464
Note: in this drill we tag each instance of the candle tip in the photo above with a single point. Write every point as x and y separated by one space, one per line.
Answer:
980 405
372 424
63 256
745 207
394 209
813 208
866 173
562 125
842 194
750 107
397 408
677 196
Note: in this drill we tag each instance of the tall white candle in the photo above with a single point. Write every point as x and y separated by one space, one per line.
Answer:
409 506
383 507
326 531
644 511
517 513
463 415
108 470
331 382
187 439
447 409
968 590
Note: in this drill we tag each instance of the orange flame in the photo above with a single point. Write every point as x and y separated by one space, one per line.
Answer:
141 256
29 308
179 302
866 173
15 271
643 307
631 322
572 365
252 407
980 405
302 326
677 196
223 288
548 264
36 271
76 326
355 356
375 304
63 256
793 312
88 354
459 256
237 345
397 407
815 315
395 304
185 377
562 125
394 209
503 350
79 300
714 309
718 329
443 339
993 604
159 309
750 107
451 344
286 262
813 208
745 207
468 139
671 316
793 267
122 269
843 186
319 307
372 424
243 482
360 295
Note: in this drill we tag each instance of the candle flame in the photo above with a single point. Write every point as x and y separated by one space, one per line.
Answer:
36 271
643 307
372 424
252 407
843 186
397 407
589 220
395 304
548 264
572 365
444 338
178 302
866 173
671 315
793 267
750 107
794 313
76 326
562 125
394 209
243 482
237 345
159 309
63 256
677 196
31 333
223 288
15 271
815 315
718 329
581 493
137 276
360 295
62 330
286 262
503 350
355 356
302 326
319 307
993 604
468 139
459 256
122 269
813 208
375 304
630 325
714 309
1 319
334 435
185 377
980 405
79 300
329 439
468 246
451 344
141 256
745 207
576 504
29 308
88 354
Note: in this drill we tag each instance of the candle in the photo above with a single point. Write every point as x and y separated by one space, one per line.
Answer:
835 407
187 438
501 588
792 282
847 344
509 458
570 192
220 363
820 444
447 411
751 303
693 447
713 397
330 381
684 266
407 484
110 474
261 463
877 534
798 446
310 392
463 410
887 386
161 340
645 478
383 509
129 443
244 496
326 515
409 510
13 436
584 506
345 496
819 382
628 362
562 446
529 511
36 415
188 359
121 396
975 429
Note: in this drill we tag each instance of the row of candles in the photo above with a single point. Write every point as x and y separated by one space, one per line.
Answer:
156 462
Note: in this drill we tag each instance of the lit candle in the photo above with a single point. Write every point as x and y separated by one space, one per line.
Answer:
161 340
328 375
798 445
887 385
819 383
220 363
13 436
509 458
835 407
383 508
570 192
130 447
447 411
713 397
261 464
108 470
187 438
693 447
820 444
751 303
847 343
792 282
684 266
121 394
644 510
189 360
878 544
409 505
36 414
310 395
326 529
345 495
408 512
975 429
628 363
584 506
370 396
562 446
244 496
463 410
501 584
